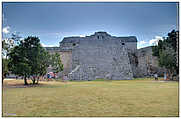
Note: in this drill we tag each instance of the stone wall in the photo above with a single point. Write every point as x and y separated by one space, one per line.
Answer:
90 58
100 57
66 58
131 46
147 64
130 42
104 56
133 59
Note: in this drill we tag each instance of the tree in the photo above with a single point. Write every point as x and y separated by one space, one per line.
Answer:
33 50
44 62
4 59
56 63
166 51
18 63
28 59
5 70
168 60
7 45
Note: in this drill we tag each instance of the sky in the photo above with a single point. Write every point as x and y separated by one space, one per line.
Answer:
52 21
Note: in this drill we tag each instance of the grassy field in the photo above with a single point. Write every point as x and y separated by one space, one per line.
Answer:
91 98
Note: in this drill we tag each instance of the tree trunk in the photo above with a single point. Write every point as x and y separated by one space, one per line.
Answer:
170 74
38 80
2 78
34 80
25 81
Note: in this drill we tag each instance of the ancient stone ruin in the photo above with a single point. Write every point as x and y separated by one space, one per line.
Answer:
99 56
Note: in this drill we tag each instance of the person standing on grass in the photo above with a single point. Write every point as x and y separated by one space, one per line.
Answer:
64 78
48 76
156 76
165 76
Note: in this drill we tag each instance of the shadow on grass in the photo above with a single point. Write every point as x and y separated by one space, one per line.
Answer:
22 85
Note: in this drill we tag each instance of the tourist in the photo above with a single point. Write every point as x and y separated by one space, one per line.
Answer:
156 76
165 76
48 76
64 78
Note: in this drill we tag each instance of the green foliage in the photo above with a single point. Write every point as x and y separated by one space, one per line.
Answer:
172 39
167 58
18 63
56 62
157 48
166 52
7 45
44 62
5 69
29 58
5 48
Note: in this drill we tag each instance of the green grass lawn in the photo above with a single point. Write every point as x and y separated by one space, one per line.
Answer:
92 98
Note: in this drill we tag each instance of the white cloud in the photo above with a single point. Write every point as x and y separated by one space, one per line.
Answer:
142 42
155 40
82 35
6 29
44 45
21 39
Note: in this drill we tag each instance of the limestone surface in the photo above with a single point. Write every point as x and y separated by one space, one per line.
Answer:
104 56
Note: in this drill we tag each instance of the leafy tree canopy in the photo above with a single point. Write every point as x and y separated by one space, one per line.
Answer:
167 53
29 58
56 63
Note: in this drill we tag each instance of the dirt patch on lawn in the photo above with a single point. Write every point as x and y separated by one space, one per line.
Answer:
19 84
22 85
